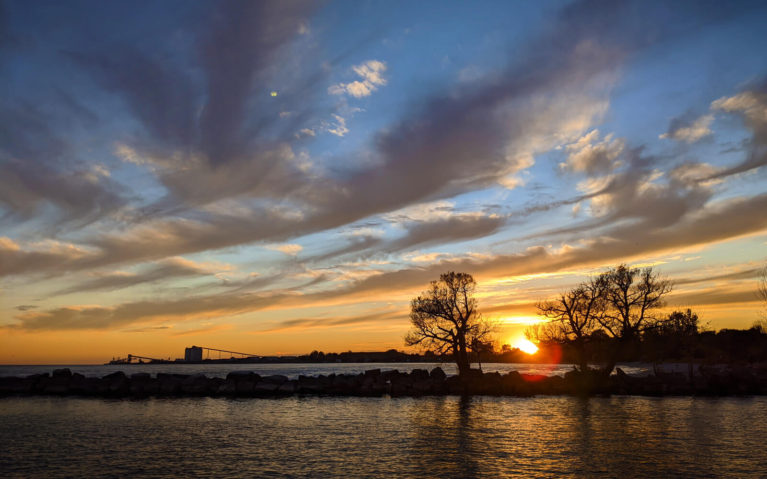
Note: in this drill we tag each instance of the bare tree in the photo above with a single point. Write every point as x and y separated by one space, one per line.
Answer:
632 295
445 318
574 315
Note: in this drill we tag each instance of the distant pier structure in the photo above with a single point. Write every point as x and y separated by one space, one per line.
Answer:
193 354
196 354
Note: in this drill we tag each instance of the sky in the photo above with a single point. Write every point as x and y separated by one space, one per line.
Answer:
282 177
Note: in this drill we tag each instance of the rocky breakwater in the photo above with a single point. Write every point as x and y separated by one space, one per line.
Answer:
419 382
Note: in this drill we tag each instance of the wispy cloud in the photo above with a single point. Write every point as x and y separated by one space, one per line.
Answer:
689 131
371 78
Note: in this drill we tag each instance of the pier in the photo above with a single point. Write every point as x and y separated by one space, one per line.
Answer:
193 354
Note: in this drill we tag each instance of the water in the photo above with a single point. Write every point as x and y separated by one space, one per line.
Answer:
293 370
383 437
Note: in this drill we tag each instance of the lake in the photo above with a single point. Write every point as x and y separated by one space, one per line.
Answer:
383 437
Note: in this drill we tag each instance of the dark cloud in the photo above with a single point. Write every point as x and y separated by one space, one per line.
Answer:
750 273
750 105
449 230
201 104
734 218
303 323
636 195
689 128
713 297
419 234
79 196
164 270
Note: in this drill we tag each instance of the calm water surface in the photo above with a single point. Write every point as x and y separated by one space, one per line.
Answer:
383 437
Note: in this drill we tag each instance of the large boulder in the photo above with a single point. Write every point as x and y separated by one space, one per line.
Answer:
118 384
438 374
16 385
170 384
197 385
288 387
142 385
313 385
275 379
244 382
62 373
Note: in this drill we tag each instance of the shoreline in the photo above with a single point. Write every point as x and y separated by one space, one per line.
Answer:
730 381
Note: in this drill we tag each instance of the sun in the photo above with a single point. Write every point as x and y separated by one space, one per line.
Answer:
526 345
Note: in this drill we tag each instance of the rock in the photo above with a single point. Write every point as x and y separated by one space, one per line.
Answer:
422 387
263 388
455 386
15 385
274 379
372 386
312 385
228 388
118 383
142 385
344 384
170 384
288 387
62 373
197 385
235 375
438 374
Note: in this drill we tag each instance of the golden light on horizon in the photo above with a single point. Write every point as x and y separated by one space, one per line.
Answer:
526 320
525 345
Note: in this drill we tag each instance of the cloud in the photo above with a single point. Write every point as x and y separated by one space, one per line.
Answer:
165 269
232 179
287 248
751 105
590 155
687 130
38 169
717 222
52 256
339 127
315 323
459 227
371 74
750 273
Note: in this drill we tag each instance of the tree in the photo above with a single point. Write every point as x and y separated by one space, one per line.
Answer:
631 296
574 317
445 318
680 324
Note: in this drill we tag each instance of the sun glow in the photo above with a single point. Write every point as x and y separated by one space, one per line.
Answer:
526 345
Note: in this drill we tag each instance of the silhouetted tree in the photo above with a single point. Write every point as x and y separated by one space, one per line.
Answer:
445 318
631 297
573 317
680 324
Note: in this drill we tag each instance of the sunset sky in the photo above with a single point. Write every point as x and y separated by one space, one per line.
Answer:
279 177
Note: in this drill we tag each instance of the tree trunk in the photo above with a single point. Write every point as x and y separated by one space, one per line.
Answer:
583 362
462 357
615 350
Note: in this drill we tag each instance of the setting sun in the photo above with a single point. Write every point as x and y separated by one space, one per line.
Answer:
526 345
